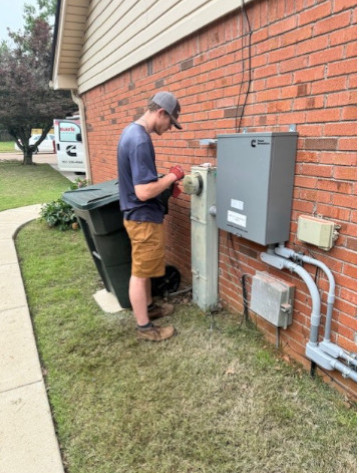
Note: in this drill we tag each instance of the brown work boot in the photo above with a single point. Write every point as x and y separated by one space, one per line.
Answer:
156 311
154 333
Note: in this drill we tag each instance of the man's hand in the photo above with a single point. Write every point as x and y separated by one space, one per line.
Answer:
176 191
177 171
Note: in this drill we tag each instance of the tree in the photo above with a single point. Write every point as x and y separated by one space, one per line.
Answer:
47 10
26 99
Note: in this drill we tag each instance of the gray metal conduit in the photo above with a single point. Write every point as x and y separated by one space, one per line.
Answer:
281 263
331 349
281 250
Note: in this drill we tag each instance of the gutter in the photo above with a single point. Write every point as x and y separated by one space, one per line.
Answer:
54 40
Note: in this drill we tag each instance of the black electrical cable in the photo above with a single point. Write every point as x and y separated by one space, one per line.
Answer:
245 300
249 34
241 277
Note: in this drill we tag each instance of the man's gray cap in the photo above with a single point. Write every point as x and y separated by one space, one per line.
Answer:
168 102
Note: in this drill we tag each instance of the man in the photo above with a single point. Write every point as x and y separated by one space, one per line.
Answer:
143 210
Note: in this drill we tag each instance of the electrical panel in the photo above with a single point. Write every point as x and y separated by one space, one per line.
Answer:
255 173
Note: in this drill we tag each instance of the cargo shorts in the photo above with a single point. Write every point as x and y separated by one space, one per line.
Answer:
148 248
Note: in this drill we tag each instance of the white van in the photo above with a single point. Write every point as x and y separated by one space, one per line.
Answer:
69 147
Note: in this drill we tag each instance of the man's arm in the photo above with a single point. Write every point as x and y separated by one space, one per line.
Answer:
153 189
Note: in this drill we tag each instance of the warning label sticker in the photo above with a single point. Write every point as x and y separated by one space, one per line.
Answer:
236 218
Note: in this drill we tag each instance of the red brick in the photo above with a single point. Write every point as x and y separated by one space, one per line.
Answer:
328 56
311 15
324 115
309 74
304 181
333 23
346 344
297 63
335 186
349 201
346 66
350 270
312 44
340 129
351 49
329 85
349 113
283 25
281 54
346 173
347 144
331 211
340 5
347 302
296 36
344 159
316 170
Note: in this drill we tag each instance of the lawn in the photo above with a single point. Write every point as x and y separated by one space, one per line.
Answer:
216 398
26 185
8 147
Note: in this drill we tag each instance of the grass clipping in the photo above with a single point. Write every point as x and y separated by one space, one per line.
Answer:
213 399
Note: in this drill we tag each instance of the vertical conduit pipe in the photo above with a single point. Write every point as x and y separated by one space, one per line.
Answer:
326 345
315 316
280 263
321 355
288 253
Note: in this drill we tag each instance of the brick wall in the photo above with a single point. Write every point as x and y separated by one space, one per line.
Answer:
303 60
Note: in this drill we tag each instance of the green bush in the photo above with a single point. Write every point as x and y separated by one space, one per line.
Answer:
60 214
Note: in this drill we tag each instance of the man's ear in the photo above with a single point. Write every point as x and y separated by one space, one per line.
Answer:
162 111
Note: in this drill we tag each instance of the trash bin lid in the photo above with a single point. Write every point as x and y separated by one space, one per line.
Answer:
94 196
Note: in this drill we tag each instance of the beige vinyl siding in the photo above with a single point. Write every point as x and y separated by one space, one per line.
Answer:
122 33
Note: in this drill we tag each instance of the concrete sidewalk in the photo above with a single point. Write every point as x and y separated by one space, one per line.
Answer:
28 442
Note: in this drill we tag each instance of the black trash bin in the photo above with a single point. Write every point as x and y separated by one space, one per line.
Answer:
97 210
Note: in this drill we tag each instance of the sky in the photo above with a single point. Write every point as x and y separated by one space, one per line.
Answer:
11 15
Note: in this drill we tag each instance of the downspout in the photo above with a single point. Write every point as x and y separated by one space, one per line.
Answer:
79 102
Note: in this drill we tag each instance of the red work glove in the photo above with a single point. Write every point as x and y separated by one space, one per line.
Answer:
177 171
176 191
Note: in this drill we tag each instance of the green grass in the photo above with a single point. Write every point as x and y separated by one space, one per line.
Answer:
26 185
213 399
8 147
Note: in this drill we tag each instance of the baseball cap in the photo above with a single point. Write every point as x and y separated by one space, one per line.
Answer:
168 102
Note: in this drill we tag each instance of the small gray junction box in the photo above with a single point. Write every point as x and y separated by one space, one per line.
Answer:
255 173
272 299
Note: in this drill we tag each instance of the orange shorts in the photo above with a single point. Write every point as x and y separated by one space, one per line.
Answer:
148 248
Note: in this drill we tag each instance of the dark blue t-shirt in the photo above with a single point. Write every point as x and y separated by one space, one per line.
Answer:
136 165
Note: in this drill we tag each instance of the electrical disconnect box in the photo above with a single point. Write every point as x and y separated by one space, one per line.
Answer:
272 299
255 173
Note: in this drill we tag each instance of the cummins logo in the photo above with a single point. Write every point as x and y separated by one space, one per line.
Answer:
71 150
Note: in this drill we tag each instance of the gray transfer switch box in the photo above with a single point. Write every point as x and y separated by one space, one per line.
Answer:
255 173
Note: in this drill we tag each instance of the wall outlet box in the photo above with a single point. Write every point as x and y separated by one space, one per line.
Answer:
317 231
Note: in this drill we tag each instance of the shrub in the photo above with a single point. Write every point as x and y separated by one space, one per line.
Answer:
59 213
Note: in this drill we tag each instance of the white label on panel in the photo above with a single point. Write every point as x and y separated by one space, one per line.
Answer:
236 218
237 204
